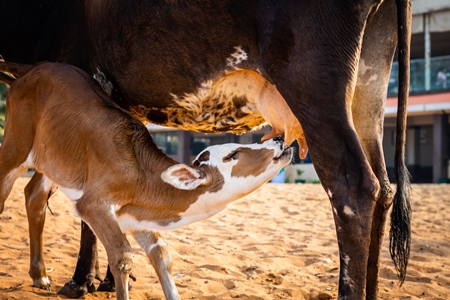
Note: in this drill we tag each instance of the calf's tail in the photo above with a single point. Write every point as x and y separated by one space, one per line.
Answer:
400 232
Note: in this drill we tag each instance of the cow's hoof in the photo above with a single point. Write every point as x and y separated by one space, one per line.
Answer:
72 290
108 285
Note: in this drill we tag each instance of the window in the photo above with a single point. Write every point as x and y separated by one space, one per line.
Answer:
167 141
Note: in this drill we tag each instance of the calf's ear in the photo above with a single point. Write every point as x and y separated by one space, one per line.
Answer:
183 177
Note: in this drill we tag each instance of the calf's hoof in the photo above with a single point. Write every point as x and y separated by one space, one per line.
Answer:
42 283
73 290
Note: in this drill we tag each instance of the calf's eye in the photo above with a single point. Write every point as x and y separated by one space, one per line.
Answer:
232 156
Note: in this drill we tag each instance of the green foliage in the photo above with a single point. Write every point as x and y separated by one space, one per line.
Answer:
3 91
2 118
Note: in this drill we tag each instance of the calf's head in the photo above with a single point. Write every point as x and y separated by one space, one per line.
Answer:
231 170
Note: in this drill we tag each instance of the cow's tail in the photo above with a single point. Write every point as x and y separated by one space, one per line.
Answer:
16 70
400 233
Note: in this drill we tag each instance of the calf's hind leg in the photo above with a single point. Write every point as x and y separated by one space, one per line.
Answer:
37 193
159 256
13 163
16 147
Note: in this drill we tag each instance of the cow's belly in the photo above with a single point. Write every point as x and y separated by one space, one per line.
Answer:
227 104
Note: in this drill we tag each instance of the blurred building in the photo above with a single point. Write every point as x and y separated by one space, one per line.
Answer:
428 134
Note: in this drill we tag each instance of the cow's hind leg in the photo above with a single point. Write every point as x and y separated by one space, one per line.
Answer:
368 111
159 256
371 140
37 193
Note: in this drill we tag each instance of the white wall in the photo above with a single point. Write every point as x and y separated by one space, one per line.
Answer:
309 173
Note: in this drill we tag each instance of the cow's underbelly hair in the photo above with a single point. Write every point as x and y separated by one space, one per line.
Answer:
228 104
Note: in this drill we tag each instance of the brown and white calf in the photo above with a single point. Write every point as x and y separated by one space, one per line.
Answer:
60 122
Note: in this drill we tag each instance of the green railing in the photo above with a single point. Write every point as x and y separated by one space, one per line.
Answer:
439 76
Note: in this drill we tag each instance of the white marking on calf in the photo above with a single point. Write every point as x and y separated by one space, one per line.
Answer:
30 159
146 245
72 194
41 282
330 194
114 209
26 164
46 183
160 242
128 222
237 57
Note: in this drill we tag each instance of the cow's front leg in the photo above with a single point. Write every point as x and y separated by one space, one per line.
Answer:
87 269
159 256
37 193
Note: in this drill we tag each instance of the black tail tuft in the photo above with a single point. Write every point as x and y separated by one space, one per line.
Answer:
400 233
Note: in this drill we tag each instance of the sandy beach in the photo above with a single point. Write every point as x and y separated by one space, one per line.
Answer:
277 243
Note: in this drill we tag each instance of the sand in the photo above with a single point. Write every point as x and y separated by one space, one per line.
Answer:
277 243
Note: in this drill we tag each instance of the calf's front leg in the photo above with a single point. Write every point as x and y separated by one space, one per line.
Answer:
159 256
98 215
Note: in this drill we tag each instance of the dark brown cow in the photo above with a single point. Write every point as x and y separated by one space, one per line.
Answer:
330 60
